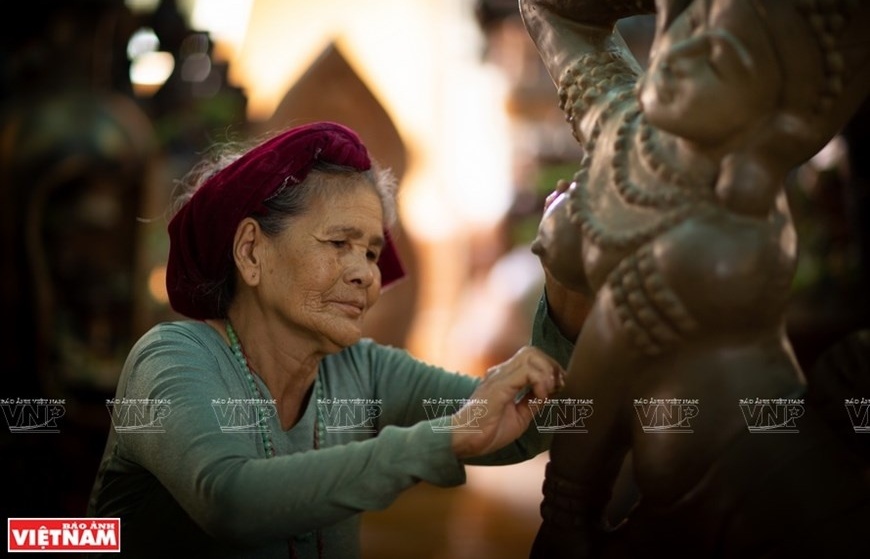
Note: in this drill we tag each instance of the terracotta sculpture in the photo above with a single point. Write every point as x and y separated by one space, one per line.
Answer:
677 225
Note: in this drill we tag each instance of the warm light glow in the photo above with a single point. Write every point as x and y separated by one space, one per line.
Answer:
150 70
422 59
143 41
157 285
479 184
225 20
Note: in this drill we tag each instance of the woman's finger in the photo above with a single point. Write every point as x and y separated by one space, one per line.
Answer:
561 187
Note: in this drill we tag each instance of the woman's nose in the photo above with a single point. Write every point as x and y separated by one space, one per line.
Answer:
360 270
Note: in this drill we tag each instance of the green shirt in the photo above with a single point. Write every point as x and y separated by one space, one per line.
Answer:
186 469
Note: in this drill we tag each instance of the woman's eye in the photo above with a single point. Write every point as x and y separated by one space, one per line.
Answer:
338 244
372 255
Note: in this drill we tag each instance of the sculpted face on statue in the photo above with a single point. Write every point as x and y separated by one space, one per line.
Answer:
711 74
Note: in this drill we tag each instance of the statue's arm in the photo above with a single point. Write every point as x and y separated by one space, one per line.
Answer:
564 30
584 54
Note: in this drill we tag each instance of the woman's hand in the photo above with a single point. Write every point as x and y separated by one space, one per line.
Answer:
498 411
562 186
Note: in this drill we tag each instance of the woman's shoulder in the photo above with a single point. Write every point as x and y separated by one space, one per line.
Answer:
179 332
178 346
367 350
195 328
372 358
369 359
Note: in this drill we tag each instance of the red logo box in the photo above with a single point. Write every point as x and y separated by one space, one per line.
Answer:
64 534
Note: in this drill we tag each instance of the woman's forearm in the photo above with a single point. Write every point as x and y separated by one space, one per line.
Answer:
567 308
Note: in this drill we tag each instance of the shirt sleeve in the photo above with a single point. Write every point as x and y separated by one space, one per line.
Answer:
413 391
547 337
235 495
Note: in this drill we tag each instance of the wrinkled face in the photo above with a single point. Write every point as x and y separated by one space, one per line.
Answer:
559 246
705 82
320 275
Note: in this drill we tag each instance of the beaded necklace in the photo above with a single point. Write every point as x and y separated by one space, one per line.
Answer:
268 445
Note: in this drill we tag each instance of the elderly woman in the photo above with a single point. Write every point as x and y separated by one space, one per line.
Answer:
276 258
677 224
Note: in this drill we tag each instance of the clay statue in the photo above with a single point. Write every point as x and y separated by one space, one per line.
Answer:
677 226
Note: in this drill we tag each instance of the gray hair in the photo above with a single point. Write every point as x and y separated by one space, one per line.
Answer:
290 202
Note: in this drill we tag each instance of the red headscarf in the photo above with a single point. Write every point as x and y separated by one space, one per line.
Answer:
201 233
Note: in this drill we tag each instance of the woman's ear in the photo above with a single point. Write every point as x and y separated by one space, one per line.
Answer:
246 253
